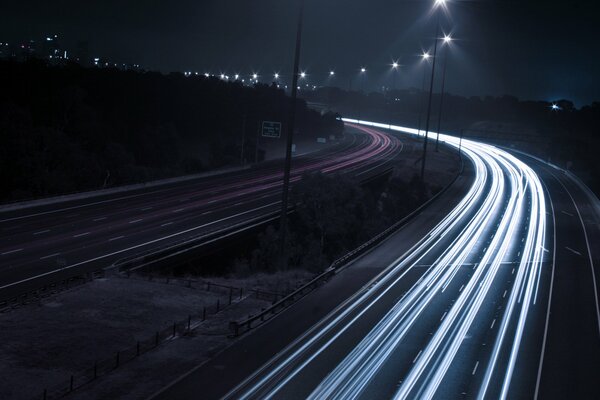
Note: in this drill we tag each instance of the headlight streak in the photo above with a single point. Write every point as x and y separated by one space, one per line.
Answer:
384 284
503 176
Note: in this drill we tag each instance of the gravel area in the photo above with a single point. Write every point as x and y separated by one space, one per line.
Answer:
43 344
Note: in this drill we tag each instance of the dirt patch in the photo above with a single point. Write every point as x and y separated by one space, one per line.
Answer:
44 344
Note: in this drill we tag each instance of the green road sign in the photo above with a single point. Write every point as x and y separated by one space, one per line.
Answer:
271 129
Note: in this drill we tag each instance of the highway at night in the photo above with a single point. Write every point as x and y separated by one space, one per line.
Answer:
475 307
49 242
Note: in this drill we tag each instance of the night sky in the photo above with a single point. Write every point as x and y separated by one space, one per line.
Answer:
543 50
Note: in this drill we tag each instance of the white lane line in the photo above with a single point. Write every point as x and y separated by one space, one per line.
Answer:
40 232
504 295
81 234
212 201
475 369
136 246
50 256
11 251
461 288
420 351
493 322
145 208
240 203
179 210
136 221
545 249
589 251
444 315
99 219
167 224
206 213
539 373
573 251
116 238
566 213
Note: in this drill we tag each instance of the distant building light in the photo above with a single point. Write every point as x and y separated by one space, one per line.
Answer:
555 107
49 39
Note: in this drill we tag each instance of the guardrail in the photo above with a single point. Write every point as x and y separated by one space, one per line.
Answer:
244 326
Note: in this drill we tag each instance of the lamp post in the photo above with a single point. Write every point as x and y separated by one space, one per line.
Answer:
437 32
395 67
447 40
363 72
290 139
425 57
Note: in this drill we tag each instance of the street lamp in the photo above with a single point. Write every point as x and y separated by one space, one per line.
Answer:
276 76
435 42
425 58
302 75
447 39
395 67
331 73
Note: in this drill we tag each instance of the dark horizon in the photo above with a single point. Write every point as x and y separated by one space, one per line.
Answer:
550 41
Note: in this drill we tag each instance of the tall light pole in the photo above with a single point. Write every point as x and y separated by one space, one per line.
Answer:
395 67
363 72
425 56
437 32
447 40
290 139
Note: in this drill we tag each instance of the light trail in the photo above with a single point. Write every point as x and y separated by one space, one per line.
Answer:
505 203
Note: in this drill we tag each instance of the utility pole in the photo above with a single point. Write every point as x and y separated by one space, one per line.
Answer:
437 139
290 139
423 160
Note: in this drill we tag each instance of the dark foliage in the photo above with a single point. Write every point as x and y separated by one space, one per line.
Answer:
335 215
69 128
566 136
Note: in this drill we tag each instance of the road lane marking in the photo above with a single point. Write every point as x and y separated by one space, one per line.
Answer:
50 256
461 288
493 322
41 232
573 251
29 279
475 369
99 219
206 213
566 213
11 251
179 210
444 315
135 221
504 295
167 224
81 234
116 238
420 351
146 209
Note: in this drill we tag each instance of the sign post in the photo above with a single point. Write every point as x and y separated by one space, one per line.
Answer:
271 129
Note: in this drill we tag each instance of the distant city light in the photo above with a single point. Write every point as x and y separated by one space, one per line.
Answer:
237 77
395 65
207 75
363 70
555 107
331 73
447 38
276 76
255 76
302 74
426 55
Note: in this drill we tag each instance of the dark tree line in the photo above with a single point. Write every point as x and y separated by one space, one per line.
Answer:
70 128
566 136
334 215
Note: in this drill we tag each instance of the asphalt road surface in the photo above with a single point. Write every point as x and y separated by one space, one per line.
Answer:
491 293
51 242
